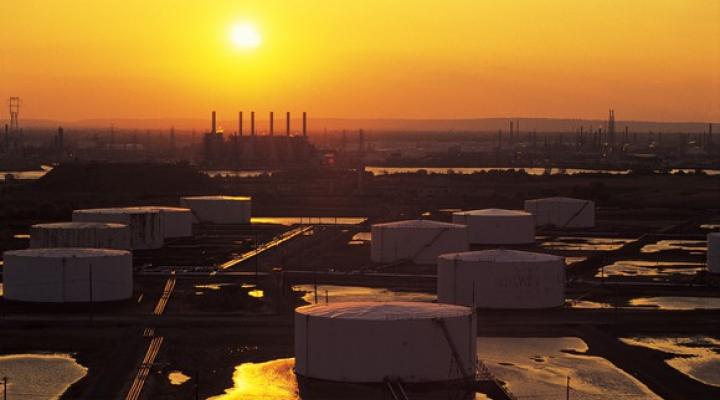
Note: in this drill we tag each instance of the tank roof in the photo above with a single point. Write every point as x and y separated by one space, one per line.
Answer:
501 256
118 210
419 223
493 212
359 310
160 208
66 252
80 225
561 200
219 197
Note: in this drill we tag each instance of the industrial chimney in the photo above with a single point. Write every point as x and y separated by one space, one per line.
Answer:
213 129
252 123
287 123
240 124
272 123
304 124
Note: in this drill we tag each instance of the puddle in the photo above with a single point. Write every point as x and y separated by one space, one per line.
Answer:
584 243
39 376
214 286
473 170
574 260
359 293
588 304
693 246
22 236
363 236
514 361
678 303
649 268
177 378
268 380
257 293
697 356
710 227
288 221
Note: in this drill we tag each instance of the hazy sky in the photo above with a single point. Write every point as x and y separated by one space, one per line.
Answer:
649 59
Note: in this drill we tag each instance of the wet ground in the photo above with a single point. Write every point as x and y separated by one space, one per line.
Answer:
39 376
695 356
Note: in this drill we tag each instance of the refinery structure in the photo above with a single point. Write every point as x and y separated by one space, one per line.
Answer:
336 264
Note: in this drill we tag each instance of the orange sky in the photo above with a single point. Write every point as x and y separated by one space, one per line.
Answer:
649 59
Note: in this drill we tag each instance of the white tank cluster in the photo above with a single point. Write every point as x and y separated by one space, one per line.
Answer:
501 279
67 275
713 252
421 241
145 223
562 212
497 226
219 209
80 234
367 342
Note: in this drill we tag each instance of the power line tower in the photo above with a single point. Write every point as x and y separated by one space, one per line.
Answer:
14 106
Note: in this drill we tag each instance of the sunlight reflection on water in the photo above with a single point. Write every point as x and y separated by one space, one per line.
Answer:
272 380
39 376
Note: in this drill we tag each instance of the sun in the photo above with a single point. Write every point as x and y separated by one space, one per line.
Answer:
245 36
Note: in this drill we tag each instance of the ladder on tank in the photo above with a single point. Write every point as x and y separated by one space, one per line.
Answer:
396 389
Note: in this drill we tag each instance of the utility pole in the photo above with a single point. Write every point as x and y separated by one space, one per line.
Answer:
567 389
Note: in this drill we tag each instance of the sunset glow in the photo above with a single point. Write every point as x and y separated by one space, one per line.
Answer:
650 60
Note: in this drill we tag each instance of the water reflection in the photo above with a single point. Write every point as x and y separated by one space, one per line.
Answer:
177 378
678 303
693 246
473 170
39 376
272 380
697 356
34 174
584 243
539 367
649 268
334 294
288 221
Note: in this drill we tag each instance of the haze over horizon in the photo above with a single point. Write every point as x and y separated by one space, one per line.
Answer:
651 61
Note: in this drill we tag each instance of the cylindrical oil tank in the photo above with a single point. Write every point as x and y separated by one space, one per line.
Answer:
504 279
713 252
176 222
219 209
496 226
80 234
368 342
145 223
562 212
67 275
419 241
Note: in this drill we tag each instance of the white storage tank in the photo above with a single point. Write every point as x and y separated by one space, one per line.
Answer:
67 275
219 209
176 222
80 234
497 226
145 223
562 212
501 279
713 252
421 241
367 342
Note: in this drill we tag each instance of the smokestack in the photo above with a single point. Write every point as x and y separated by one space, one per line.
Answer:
287 123
272 123
240 123
304 124
511 129
214 126
252 123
